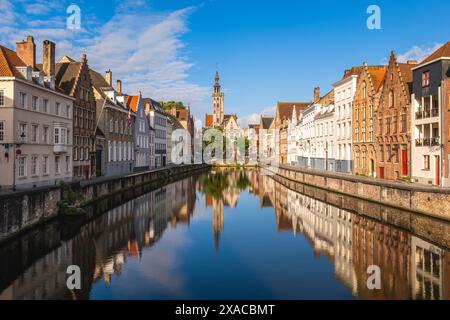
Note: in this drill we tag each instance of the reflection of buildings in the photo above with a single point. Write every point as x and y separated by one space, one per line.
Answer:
223 189
102 246
411 268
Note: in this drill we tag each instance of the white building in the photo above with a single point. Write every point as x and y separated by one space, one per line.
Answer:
344 92
35 120
158 121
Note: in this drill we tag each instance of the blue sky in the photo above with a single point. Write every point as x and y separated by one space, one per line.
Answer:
267 51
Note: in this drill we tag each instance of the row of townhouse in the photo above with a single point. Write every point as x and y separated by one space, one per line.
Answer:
63 121
388 121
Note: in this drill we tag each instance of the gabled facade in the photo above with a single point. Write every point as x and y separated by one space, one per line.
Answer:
35 120
365 105
281 122
74 78
114 152
394 125
141 134
430 119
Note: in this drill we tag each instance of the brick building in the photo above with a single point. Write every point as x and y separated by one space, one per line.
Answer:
393 134
74 78
365 105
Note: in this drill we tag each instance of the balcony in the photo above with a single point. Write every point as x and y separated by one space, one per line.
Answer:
60 148
427 113
428 142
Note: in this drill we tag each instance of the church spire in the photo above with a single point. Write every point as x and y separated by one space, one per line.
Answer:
217 82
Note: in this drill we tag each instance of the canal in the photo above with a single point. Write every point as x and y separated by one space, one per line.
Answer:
231 234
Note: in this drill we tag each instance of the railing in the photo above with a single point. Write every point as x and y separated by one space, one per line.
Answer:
436 141
425 142
427 113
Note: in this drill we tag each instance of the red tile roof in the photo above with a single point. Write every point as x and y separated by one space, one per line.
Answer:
285 109
208 120
377 77
9 60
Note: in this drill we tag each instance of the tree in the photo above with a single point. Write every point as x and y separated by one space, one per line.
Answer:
172 104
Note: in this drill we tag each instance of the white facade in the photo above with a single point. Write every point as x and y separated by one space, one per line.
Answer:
344 92
35 133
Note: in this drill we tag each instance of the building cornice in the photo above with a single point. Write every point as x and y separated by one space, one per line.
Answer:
36 86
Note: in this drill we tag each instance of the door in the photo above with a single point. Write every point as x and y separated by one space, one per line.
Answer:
404 162
381 172
98 163
438 170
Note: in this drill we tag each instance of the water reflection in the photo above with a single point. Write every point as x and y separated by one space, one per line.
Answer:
158 246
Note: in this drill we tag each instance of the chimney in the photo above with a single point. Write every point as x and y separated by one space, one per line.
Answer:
26 50
108 77
119 86
49 58
316 94
411 62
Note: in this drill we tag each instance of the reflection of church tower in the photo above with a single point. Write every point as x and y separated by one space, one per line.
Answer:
218 102
218 223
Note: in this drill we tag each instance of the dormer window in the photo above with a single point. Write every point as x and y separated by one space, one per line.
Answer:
425 79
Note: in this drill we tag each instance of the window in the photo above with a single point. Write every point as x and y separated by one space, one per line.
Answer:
391 98
45 105
364 90
382 153
403 124
57 108
2 131
396 151
111 125
2 98
23 132
388 125
56 136
34 133
22 166
57 160
67 111
67 164
45 135
45 165
22 99
34 103
34 165
395 124
425 79
426 162
389 153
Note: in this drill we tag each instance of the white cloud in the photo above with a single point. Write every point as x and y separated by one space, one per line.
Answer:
418 53
255 117
143 48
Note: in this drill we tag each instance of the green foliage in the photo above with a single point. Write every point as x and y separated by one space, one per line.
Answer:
214 185
69 200
243 181
174 104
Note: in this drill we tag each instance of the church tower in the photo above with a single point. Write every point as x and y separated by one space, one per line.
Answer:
218 102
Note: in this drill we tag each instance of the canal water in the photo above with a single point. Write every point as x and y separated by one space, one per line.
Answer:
232 234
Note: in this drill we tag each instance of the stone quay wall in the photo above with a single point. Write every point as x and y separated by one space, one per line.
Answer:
428 200
22 210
